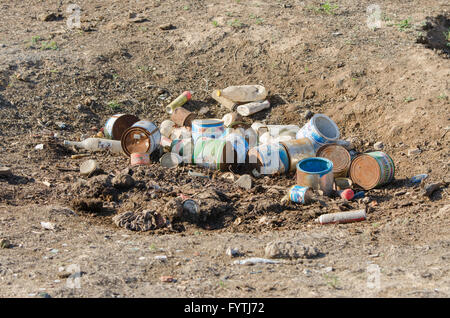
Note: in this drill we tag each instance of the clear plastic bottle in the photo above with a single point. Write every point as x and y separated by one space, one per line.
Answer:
96 144
244 93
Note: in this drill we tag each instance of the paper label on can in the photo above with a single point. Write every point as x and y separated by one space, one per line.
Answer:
273 159
386 164
308 131
297 194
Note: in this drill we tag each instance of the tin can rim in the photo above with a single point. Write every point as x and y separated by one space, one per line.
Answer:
328 162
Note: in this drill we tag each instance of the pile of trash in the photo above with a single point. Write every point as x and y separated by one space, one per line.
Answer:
324 164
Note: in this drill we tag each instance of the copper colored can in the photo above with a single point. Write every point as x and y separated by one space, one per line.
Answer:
143 136
339 156
117 124
372 169
182 117
139 158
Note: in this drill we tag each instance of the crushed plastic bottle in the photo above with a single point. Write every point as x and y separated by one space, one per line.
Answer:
96 144
244 93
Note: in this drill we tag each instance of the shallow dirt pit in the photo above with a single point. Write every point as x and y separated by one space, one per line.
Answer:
378 84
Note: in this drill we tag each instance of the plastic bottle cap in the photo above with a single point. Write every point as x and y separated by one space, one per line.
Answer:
219 93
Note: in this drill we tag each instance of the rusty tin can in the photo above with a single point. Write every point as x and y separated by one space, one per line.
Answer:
372 169
339 156
143 136
139 158
316 173
297 150
182 117
117 124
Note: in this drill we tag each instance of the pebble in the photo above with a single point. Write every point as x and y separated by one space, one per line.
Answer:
378 145
245 182
328 269
167 279
48 225
39 147
167 26
366 200
5 244
308 114
232 252
162 258
307 272
5 171
414 151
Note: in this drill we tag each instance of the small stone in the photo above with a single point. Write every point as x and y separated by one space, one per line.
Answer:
328 269
5 171
48 225
167 279
167 26
366 200
203 110
414 151
5 244
162 258
123 181
88 167
307 272
308 114
39 147
47 17
245 182
378 145
232 252
431 188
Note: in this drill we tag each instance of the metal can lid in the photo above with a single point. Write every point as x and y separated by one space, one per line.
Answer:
365 171
337 154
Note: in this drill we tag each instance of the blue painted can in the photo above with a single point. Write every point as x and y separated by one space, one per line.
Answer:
321 130
300 194
316 173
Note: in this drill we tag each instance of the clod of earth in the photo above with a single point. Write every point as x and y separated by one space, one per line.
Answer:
290 250
140 221
88 205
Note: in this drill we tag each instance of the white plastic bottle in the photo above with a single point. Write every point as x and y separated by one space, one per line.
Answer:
96 144
244 93
251 108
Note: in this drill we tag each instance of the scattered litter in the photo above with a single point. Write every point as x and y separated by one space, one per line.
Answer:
419 178
88 167
232 252
342 217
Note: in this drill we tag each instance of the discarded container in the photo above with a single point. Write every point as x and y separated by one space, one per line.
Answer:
139 158
297 150
265 138
343 183
214 153
96 144
211 128
252 108
170 160
143 136
166 128
178 102
165 142
339 156
269 158
260 128
283 130
225 102
359 195
342 217
88 167
182 117
230 118
300 194
244 93
316 173
239 144
181 133
372 169
117 124
251 137
183 148
320 129
419 178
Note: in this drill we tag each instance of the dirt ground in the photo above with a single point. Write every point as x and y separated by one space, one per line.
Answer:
386 84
